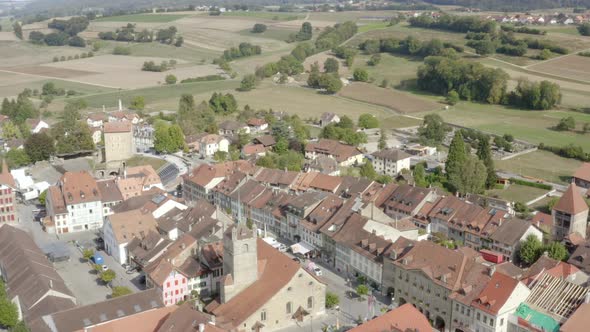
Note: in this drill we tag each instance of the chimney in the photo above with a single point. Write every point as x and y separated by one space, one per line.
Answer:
492 270
201 327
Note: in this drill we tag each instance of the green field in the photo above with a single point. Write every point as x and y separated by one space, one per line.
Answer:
393 68
364 27
542 165
156 163
160 97
517 193
532 126
270 33
143 18
275 16
187 52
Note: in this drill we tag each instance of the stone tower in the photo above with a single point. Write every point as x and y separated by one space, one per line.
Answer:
240 260
570 214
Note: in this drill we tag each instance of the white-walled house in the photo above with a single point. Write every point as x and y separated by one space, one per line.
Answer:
344 154
120 228
391 161
75 203
37 125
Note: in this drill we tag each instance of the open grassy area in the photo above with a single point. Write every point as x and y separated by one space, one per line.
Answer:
270 33
187 52
160 97
531 126
517 193
364 27
399 121
542 165
394 69
143 18
275 16
138 160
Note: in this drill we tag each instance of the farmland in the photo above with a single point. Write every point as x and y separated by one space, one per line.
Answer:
144 18
571 66
517 193
401 102
541 165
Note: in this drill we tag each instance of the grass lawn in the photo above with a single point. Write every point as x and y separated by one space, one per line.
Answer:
393 68
364 27
270 33
542 165
275 16
160 97
402 30
143 18
517 193
399 121
532 126
137 160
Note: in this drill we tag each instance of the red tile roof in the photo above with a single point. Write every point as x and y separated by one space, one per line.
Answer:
341 152
250 149
403 318
118 127
498 290
571 202
583 173
79 187
579 321
256 122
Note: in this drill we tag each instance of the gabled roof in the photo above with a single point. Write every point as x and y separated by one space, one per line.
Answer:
266 140
187 319
496 293
5 177
341 152
391 154
131 224
79 187
276 271
579 320
511 231
583 172
571 202
403 318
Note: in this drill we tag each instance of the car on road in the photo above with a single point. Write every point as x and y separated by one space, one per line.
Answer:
317 271
105 268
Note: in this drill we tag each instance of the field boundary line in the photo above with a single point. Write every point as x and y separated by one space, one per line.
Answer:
61 79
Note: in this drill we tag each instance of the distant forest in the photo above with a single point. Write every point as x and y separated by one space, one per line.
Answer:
513 5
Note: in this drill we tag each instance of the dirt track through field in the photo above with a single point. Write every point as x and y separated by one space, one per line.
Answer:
63 79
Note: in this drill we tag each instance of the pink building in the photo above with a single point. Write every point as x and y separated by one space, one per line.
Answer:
174 288
7 195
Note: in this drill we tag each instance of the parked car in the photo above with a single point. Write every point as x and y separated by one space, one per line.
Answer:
283 248
317 271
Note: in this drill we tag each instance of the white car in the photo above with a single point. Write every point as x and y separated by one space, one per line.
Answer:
317 271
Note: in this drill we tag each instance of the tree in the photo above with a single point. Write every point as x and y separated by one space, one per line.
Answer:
368 121
108 276
452 97
259 28
544 54
456 156
345 122
39 147
566 124
20 327
10 131
179 41
420 175
360 75
313 80
43 197
584 29
170 79
332 300
137 103
248 82
18 30
223 104
433 130
8 313
557 251
331 65
586 127
120 291
305 33
470 177
367 170
530 249
484 154
362 290
77 41
330 82
374 60
87 254
282 146
382 140
121 50
17 158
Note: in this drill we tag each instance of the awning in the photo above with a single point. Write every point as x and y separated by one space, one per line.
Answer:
301 248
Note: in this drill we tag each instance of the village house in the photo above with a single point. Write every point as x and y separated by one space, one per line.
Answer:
582 176
74 204
257 125
36 125
206 145
328 118
403 318
345 155
323 164
231 128
136 180
268 141
8 188
121 228
143 137
391 161
123 116
253 150
96 120
110 195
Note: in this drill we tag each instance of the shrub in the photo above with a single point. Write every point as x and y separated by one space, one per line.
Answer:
531 184
203 79
121 50
259 28
360 75
170 79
